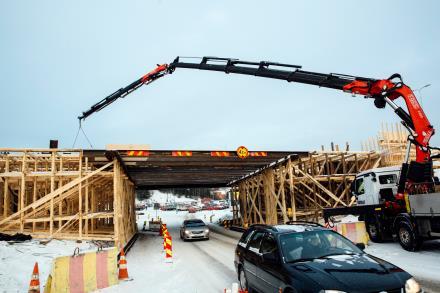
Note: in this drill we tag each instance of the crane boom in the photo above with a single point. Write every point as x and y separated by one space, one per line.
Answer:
383 91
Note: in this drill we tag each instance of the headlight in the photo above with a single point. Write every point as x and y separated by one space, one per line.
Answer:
186 231
206 230
411 286
331 291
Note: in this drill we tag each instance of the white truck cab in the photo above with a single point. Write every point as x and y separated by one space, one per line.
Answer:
374 186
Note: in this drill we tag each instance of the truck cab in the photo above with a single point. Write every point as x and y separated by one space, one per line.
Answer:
375 186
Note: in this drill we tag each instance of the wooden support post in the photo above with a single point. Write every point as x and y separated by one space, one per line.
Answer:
116 177
52 189
22 192
87 199
6 198
80 200
34 193
291 188
60 183
93 210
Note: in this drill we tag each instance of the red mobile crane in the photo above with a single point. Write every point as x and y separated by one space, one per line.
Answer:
415 177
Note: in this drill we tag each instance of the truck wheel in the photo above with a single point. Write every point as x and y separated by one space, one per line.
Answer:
407 238
374 231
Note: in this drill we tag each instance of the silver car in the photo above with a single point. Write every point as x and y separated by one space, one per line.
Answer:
194 229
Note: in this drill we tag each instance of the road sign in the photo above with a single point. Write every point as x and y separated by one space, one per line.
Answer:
242 152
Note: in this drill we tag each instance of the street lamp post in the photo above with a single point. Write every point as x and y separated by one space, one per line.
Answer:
419 90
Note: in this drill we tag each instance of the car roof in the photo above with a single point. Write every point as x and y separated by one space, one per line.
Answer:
294 226
193 221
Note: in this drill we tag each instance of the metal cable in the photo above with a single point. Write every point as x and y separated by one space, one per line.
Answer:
85 135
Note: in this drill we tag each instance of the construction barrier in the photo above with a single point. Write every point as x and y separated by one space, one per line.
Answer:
83 272
168 249
227 223
355 231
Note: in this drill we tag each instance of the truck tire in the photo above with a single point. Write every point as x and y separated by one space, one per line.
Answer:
407 238
374 230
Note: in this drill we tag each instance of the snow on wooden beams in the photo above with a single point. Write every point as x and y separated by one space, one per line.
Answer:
299 188
51 193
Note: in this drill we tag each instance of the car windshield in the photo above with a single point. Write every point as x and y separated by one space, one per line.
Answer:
194 224
310 245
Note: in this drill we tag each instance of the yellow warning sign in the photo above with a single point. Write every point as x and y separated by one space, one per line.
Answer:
242 152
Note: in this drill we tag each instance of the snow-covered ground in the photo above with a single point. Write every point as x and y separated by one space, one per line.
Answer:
198 266
17 261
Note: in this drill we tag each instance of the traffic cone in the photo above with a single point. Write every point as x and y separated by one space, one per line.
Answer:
123 272
34 285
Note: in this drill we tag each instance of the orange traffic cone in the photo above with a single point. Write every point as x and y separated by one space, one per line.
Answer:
123 272
34 285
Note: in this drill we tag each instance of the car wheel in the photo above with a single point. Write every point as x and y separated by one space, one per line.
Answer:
374 231
407 238
242 280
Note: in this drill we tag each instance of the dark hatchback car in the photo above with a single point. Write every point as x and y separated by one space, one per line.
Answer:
306 257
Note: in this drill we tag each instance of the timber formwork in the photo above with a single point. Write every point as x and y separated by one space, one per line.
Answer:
392 142
299 188
51 193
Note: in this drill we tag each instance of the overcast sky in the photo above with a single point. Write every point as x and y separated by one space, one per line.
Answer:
57 58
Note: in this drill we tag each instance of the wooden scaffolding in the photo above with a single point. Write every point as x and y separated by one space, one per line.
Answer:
299 188
391 142
52 193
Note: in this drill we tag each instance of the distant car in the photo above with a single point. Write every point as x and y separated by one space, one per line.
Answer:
306 257
168 207
194 229
182 207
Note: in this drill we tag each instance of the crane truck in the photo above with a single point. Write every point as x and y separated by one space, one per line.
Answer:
401 202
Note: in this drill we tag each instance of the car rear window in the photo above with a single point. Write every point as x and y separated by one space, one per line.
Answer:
194 224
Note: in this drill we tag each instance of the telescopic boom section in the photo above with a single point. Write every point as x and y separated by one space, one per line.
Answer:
151 76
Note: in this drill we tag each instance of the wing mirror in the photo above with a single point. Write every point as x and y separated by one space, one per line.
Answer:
361 246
